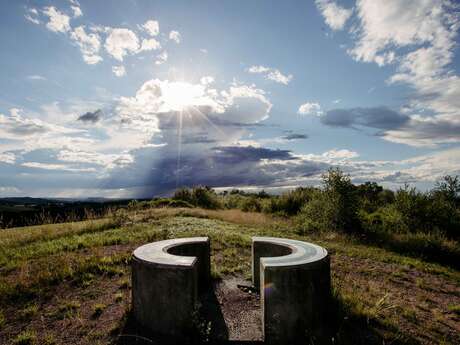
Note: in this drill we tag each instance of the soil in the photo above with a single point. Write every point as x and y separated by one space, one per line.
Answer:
240 309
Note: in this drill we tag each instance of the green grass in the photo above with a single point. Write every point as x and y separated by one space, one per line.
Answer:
25 338
2 319
36 261
67 309
455 309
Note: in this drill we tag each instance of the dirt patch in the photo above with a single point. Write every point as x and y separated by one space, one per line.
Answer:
417 302
240 309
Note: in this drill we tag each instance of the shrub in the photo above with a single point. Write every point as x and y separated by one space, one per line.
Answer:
342 198
387 219
180 203
183 194
203 197
234 200
160 202
316 215
290 203
251 204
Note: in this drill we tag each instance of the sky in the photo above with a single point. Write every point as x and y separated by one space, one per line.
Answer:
136 98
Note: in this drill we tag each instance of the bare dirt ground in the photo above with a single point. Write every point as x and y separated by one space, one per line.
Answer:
240 308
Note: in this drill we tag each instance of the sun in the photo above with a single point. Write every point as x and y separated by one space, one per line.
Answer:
179 96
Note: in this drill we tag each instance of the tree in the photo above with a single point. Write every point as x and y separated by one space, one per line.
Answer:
341 193
449 188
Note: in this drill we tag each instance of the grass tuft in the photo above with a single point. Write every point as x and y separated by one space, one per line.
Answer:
25 338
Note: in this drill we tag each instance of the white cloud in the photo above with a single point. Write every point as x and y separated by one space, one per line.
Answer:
152 27
32 15
7 191
7 157
58 21
157 100
89 44
399 23
334 15
108 161
36 77
271 74
161 58
29 133
59 167
175 36
310 108
119 71
207 80
336 101
420 37
76 11
150 44
16 125
434 166
246 104
121 42
334 156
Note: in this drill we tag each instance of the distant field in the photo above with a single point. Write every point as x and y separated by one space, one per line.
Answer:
70 283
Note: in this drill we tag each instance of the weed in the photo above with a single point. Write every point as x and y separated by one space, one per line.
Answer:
118 297
455 309
98 310
2 320
25 338
49 340
125 284
30 311
68 309
410 314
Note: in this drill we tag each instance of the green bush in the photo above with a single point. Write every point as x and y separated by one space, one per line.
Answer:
387 219
290 203
341 195
234 201
180 204
161 202
251 204
316 215
203 197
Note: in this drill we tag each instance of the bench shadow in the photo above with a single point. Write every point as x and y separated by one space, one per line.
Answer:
209 327
211 323
345 328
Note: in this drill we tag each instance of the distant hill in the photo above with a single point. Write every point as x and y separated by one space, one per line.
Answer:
23 211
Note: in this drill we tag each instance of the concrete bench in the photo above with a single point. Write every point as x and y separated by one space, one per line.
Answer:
295 287
166 279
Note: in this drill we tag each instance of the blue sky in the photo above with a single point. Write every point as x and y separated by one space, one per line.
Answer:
136 98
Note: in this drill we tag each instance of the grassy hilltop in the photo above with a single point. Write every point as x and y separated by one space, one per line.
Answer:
69 283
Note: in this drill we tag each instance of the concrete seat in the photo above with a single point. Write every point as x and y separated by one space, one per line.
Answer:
166 279
295 287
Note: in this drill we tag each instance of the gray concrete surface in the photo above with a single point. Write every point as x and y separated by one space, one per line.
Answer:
295 288
166 278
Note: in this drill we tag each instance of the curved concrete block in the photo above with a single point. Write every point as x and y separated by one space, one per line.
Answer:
166 278
295 287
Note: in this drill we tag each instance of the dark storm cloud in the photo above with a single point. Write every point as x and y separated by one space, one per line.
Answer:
237 154
378 117
198 139
225 166
436 129
93 117
294 136
400 177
